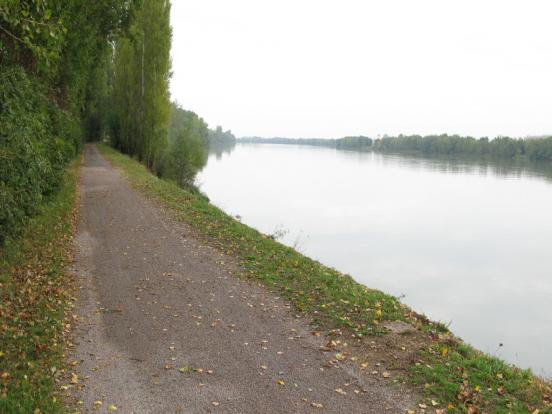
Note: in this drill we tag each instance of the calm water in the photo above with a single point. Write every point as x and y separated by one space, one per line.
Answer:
468 245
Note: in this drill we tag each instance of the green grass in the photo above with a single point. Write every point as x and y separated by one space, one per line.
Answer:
450 370
34 301
460 376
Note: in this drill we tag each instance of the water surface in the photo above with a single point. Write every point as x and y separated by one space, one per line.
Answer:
466 243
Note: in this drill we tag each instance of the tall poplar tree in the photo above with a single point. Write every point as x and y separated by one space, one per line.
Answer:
141 84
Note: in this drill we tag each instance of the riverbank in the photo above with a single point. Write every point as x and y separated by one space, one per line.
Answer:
166 326
35 303
448 372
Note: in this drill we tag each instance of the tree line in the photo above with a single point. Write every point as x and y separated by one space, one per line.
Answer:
75 71
454 145
353 142
144 123
51 54
440 145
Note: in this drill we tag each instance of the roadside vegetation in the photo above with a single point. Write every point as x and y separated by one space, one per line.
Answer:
49 53
52 71
35 298
453 377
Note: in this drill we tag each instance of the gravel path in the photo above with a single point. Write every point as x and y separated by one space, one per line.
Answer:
166 326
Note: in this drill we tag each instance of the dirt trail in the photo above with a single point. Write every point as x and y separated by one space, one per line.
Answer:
166 326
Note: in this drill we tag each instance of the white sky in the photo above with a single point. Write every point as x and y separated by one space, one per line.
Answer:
329 68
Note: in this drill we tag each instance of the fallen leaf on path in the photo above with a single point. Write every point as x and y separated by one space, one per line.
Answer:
316 405
111 407
340 391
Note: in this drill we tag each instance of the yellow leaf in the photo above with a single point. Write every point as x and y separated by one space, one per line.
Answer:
280 382
111 407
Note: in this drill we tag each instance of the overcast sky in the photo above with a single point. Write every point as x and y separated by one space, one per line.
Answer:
321 68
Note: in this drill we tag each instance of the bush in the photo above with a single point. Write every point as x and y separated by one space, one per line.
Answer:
36 141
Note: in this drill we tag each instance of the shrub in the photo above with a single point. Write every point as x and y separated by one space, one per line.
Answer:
36 141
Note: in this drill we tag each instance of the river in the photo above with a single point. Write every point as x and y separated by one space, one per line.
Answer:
468 244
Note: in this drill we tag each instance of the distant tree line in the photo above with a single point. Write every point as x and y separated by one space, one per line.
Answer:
454 145
442 145
219 137
358 142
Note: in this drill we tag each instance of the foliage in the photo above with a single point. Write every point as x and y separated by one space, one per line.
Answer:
444 145
187 150
221 141
140 92
52 55
219 137
33 302
33 32
501 147
337 303
354 143
36 141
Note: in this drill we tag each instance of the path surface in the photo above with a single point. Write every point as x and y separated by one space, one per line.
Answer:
154 299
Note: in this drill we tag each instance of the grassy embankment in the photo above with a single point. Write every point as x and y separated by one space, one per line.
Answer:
34 303
455 376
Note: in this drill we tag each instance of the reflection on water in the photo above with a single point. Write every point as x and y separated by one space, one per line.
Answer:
465 242
220 148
